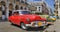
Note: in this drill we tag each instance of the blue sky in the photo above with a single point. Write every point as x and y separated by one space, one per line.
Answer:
33 0
49 2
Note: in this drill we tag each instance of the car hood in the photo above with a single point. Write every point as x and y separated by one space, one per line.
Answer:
34 17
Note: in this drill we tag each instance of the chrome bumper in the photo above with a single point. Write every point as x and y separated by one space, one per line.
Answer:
35 24
50 23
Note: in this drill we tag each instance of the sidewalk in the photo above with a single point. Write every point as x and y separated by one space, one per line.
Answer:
55 27
3 20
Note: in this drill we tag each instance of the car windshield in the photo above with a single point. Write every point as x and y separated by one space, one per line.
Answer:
25 12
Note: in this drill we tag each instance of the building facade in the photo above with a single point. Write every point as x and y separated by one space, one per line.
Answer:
40 7
56 7
7 6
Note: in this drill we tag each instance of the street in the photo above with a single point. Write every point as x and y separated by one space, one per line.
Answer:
26 10
55 27
7 27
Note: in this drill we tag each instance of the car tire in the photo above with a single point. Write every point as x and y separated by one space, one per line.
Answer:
22 25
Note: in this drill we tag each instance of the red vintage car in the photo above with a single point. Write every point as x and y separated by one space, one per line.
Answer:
25 19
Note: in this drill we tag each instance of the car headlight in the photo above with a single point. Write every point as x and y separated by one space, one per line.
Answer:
28 19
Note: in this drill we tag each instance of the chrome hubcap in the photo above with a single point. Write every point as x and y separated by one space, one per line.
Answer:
23 26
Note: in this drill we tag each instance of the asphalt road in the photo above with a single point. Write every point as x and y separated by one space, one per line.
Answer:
6 26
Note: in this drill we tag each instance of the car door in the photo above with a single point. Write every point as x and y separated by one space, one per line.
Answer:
16 18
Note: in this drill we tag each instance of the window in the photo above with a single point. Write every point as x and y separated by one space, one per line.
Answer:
21 8
39 8
3 12
16 13
14 1
7 0
0 8
10 6
17 0
17 7
25 12
25 8
3 3
10 13
22 1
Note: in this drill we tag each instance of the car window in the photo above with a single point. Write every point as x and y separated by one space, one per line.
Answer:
25 12
16 13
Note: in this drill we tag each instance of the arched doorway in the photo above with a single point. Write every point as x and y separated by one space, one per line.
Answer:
21 8
10 9
10 6
3 3
17 7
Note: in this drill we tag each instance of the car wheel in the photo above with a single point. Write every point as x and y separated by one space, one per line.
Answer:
23 26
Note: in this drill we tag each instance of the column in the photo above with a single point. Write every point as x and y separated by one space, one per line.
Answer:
14 6
7 10
58 9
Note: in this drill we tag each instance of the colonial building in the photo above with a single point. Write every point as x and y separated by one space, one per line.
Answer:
56 6
59 8
7 6
40 7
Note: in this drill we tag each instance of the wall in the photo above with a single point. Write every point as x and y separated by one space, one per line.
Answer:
0 13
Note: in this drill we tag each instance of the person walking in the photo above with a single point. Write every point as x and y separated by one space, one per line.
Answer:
3 12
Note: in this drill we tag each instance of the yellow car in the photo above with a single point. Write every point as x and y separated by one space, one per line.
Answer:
51 19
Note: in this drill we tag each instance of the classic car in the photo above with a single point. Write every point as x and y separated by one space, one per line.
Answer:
25 19
51 19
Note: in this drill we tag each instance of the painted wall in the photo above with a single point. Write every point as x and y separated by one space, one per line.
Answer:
0 13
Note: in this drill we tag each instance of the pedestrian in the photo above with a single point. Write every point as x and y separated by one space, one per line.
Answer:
3 12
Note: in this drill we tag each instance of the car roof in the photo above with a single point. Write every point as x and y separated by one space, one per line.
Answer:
19 10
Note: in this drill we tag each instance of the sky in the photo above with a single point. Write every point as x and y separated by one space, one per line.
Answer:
50 3
33 0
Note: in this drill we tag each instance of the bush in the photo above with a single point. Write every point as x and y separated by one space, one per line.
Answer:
44 16
39 13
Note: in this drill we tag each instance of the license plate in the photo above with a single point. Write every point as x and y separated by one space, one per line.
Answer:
39 23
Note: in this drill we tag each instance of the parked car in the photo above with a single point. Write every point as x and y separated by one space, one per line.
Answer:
25 19
51 19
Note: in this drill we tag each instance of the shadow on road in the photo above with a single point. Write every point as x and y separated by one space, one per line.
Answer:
35 29
31 29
